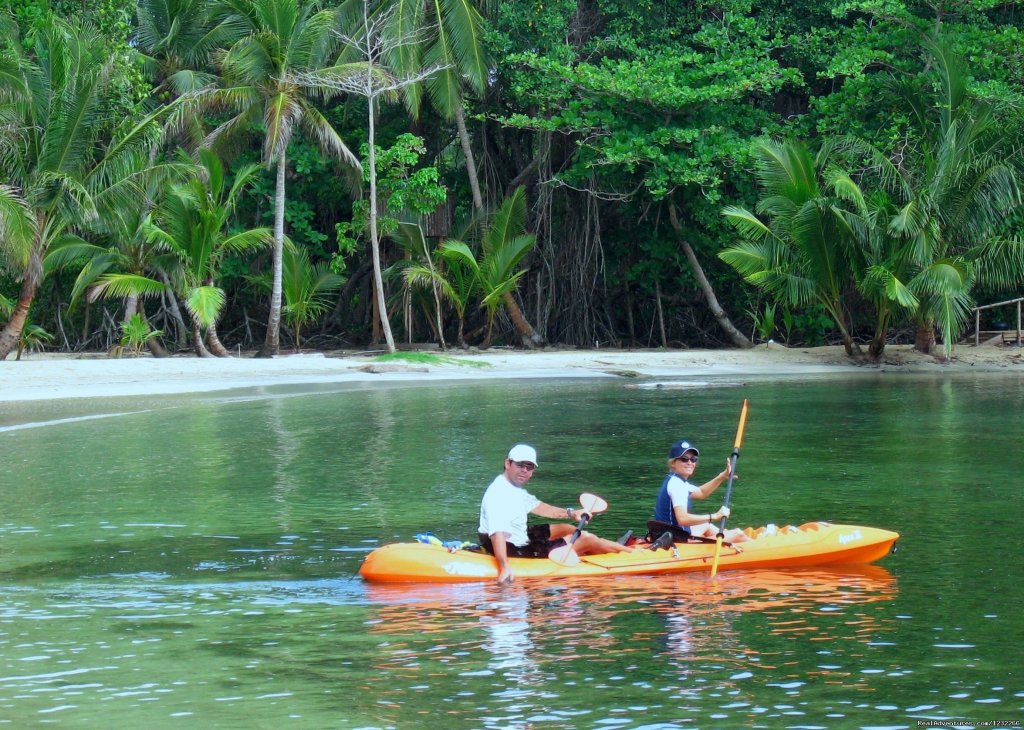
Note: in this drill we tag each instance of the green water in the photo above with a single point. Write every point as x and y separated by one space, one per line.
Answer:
190 562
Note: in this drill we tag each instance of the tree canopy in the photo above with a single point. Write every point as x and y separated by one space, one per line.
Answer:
642 146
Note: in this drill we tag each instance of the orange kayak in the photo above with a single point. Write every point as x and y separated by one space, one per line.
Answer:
813 543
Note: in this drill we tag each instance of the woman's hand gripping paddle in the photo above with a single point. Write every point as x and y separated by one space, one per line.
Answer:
592 505
728 489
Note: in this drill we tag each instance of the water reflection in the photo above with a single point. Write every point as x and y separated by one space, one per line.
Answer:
536 642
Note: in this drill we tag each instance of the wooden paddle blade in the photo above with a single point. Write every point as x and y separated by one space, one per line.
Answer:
592 504
565 555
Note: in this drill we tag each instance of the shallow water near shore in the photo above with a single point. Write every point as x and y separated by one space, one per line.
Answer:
191 561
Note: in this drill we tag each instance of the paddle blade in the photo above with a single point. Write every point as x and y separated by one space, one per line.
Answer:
718 553
592 504
565 555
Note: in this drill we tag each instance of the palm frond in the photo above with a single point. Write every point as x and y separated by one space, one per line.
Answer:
327 138
251 240
17 227
507 222
119 286
205 303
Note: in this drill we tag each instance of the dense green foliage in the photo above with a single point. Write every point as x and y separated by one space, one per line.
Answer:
623 131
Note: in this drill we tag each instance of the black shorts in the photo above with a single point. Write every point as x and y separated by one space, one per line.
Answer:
539 546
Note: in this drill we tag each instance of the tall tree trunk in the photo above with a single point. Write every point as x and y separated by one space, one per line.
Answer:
467 153
11 334
271 345
737 337
660 314
527 334
378 279
630 324
437 300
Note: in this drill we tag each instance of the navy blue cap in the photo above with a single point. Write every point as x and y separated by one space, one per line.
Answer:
681 447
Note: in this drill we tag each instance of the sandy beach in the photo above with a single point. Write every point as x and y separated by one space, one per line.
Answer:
52 377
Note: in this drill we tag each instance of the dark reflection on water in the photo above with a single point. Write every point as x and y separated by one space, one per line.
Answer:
191 562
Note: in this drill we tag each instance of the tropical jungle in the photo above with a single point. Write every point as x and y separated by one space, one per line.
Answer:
220 176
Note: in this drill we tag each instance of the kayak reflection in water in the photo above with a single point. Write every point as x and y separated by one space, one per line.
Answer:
674 506
503 514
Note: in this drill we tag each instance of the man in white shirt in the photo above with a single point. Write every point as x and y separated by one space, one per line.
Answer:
503 513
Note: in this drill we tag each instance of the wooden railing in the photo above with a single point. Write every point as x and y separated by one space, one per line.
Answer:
977 319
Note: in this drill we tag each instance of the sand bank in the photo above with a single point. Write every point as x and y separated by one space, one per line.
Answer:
48 377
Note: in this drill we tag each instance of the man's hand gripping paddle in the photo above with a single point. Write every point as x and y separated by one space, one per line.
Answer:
728 490
592 505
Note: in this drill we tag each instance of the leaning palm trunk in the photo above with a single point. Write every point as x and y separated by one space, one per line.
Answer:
467 153
271 345
738 338
11 334
216 346
152 343
527 334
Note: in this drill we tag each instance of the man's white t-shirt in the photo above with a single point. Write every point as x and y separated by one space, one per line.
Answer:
504 508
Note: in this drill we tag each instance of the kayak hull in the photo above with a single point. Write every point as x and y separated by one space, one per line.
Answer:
813 543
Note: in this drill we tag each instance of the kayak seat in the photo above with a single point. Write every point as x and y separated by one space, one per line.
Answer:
655 528
664 542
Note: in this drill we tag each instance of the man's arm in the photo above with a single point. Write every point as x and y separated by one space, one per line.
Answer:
501 555
555 513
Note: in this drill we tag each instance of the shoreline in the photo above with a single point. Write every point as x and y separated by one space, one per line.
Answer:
46 377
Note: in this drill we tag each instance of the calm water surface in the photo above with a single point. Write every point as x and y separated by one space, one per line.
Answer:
190 562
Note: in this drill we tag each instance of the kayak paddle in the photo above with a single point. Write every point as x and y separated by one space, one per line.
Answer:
592 505
728 489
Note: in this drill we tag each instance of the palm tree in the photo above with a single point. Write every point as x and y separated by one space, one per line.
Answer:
192 226
503 246
956 184
419 270
881 259
798 254
307 289
272 72
126 250
450 34
176 39
60 161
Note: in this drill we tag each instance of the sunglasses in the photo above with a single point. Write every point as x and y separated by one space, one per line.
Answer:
525 465
688 459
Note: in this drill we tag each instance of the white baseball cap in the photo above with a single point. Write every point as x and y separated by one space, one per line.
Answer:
522 452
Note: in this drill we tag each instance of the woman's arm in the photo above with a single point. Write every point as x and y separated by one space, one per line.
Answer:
707 488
